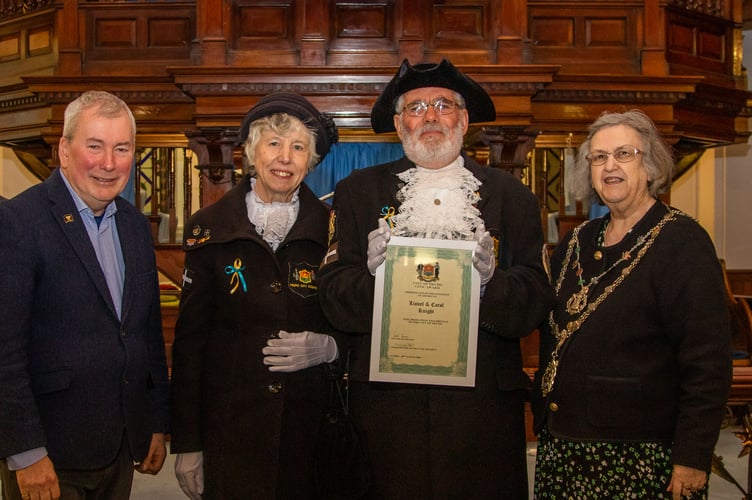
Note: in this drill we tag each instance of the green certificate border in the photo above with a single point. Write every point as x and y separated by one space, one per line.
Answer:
425 324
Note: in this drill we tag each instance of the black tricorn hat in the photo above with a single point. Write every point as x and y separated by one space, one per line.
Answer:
479 105
299 107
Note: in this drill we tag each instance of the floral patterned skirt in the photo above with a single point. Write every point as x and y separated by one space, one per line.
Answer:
589 470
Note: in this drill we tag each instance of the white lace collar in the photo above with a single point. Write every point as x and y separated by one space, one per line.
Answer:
272 220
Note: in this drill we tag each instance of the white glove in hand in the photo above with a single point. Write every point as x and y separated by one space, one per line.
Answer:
377 240
189 469
295 351
484 259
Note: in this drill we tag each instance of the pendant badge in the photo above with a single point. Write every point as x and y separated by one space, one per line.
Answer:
547 382
577 301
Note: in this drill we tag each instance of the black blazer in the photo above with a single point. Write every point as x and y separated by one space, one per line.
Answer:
73 377
653 360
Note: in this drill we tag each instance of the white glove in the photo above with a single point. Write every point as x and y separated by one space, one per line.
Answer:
294 351
189 469
377 240
484 259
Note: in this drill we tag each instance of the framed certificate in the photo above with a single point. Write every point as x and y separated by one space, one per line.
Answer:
425 315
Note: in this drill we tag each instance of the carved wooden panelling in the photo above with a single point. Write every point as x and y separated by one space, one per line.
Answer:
358 27
26 43
39 41
711 46
109 33
459 23
264 33
584 39
10 47
264 22
463 30
117 32
698 42
553 32
681 39
361 21
606 32
169 32
27 46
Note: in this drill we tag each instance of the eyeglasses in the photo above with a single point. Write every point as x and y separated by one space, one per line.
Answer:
440 106
624 154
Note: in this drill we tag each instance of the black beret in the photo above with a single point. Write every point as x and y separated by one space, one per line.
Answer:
479 105
299 107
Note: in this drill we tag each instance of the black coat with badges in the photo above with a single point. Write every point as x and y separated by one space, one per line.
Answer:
432 441
256 428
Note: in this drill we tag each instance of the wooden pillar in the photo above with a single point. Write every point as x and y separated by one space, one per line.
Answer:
69 49
411 42
512 44
653 54
210 34
313 42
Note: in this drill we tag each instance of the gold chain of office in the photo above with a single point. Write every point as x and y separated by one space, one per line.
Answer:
562 335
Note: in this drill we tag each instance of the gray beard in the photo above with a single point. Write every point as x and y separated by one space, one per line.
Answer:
439 152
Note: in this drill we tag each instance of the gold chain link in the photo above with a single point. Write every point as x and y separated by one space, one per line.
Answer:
562 336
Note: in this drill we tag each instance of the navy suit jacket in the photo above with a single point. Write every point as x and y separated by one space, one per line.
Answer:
74 377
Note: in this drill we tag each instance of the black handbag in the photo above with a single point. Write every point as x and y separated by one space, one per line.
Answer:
341 467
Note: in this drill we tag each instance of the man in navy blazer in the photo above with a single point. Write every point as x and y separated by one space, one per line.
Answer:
83 375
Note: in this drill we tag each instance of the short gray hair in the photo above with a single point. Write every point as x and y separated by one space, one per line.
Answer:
109 106
656 154
282 124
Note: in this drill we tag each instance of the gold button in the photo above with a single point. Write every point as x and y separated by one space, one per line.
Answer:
553 407
598 255
275 387
276 286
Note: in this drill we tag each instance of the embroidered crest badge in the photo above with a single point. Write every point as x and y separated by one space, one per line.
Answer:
301 279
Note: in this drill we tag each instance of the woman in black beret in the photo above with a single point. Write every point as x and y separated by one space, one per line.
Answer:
251 349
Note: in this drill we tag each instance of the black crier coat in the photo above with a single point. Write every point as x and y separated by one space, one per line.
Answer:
431 441
256 428
653 361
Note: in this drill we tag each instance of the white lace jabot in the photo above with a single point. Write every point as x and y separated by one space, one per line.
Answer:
438 203
272 220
